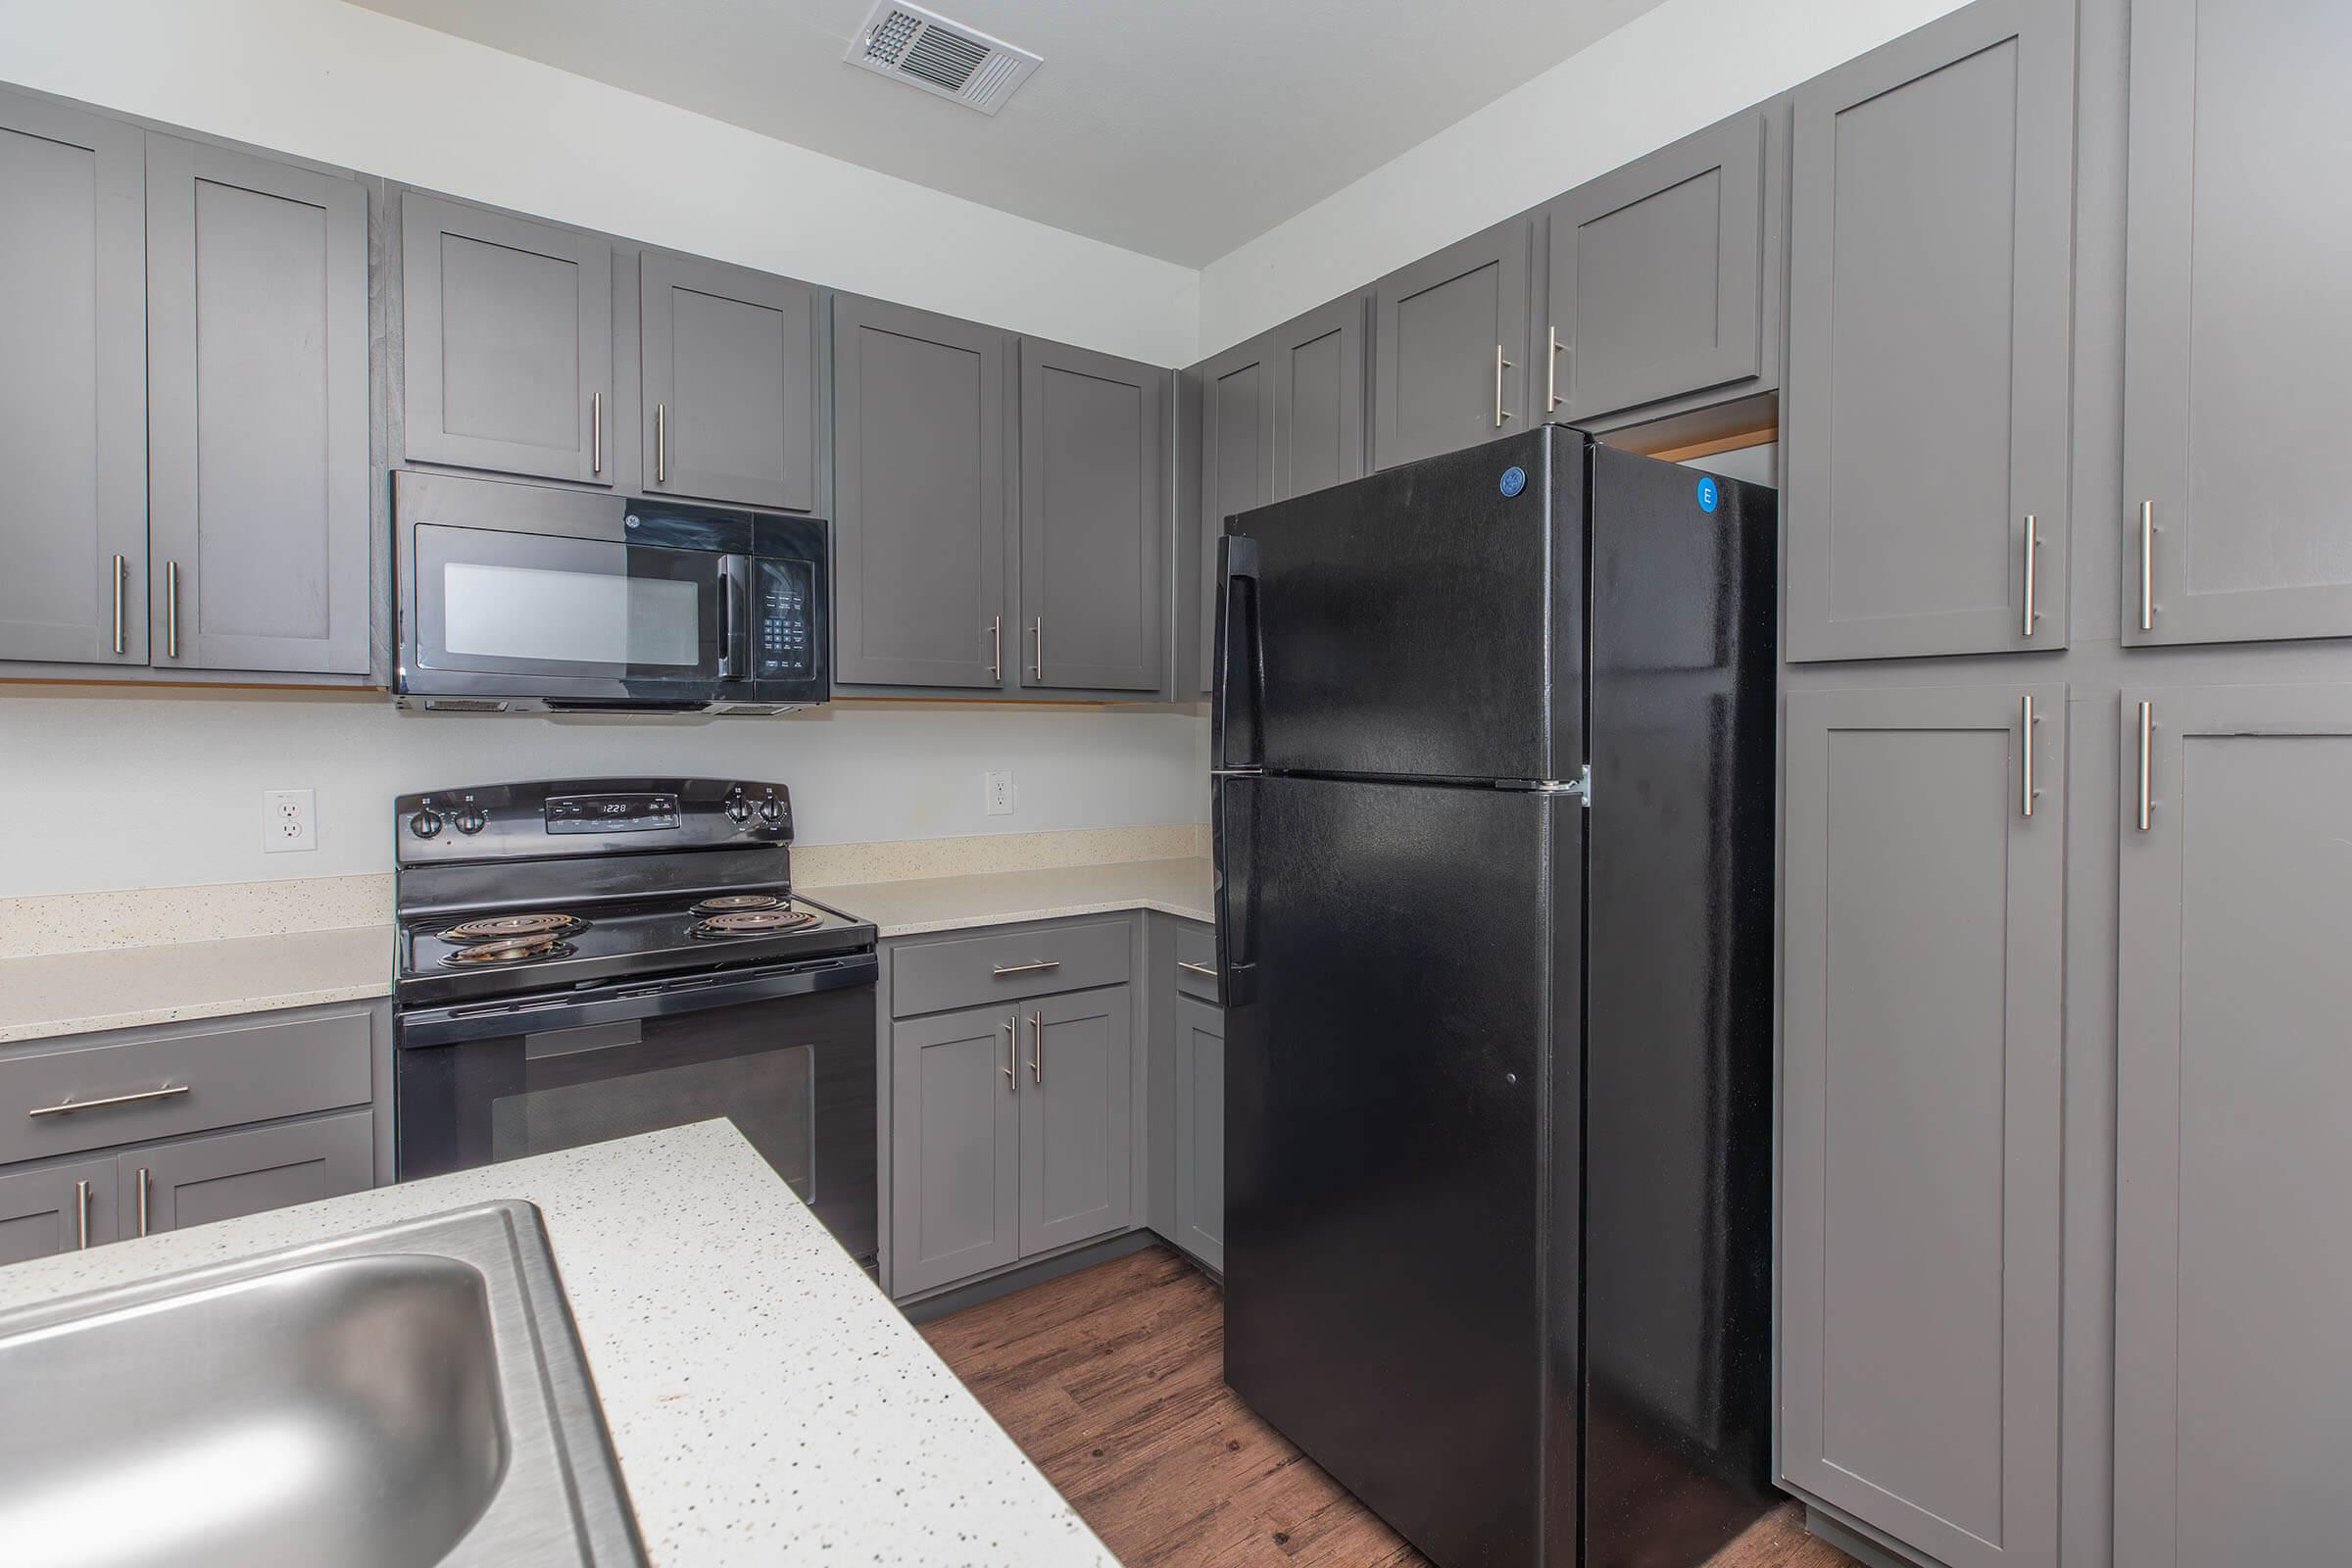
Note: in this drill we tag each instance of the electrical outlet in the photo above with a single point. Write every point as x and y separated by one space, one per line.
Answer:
997 793
289 820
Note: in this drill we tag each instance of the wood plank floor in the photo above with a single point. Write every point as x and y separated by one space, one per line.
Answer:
1112 1379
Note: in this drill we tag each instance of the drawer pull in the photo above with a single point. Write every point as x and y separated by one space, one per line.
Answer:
64 1107
1208 970
1000 970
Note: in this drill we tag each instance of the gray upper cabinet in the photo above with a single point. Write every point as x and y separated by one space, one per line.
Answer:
73 403
172 1186
1657 282
56 1208
257 345
1926 413
1448 349
2234 1265
2237 331
1077 1136
954 1147
506 343
1237 466
1095 435
1200 1131
920 444
1920 1138
1318 396
729 391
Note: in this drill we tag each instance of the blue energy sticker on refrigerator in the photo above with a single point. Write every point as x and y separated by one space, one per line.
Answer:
1514 481
1710 496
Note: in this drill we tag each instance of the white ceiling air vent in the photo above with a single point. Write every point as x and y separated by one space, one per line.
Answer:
944 58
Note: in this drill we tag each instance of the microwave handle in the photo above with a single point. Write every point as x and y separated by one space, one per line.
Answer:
734 619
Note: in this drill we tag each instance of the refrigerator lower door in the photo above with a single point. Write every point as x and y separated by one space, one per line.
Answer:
1389 1238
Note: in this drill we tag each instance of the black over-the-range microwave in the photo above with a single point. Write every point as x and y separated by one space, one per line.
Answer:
521 595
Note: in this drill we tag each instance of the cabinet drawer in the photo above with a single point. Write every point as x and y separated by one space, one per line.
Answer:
973 971
185 1081
1196 945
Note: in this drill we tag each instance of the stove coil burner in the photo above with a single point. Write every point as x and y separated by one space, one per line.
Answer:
499 953
751 923
508 927
740 903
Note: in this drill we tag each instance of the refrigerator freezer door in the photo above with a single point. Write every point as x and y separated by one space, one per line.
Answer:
1387 1082
1422 622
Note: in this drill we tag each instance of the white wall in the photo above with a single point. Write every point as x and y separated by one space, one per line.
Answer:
343 85
118 789
1664 75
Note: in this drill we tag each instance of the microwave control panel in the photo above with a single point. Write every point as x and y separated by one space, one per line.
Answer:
782 620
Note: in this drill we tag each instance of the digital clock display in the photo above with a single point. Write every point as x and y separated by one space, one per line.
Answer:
611 813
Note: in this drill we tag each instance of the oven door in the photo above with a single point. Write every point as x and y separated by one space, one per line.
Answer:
787 1054
588 616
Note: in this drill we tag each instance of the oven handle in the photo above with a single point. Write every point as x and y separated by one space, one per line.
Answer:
449 1026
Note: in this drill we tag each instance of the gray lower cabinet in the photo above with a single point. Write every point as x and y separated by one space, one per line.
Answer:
257 390
1658 281
1921 1139
2235 332
955 1146
921 442
506 343
1077 1116
165 1186
56 1208
729 392
74 400
1199 1123
1237 468
1449 352
1095 437
1925 418
2234 1265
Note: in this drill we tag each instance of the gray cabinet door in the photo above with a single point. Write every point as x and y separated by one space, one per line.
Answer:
168 1187
1077 1117
56 1208
954 1147
256 415
729 392
1926 411
1318 395
2237 328
2234 1265
1920 1128
1656 275
1095 436
506 343
74 398
1447 342
920 450
1237 465
1200 1131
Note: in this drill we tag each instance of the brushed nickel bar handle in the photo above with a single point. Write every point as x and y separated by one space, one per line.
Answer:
1197 968
1552 373
1037 1048
660 443
2024 788
121 572
1501 365
1013 1060
69 1106
1000 970
996 648
2032 546
171 608
2147 731
2147 565
142 1199
596 432
1038 670
81 1216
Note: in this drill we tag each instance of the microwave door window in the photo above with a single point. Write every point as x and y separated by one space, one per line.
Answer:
545 617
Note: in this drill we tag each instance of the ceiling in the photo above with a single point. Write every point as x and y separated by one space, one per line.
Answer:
1179 129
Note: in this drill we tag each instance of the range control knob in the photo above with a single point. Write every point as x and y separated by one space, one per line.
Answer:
471 819
771 811
739 810
425 823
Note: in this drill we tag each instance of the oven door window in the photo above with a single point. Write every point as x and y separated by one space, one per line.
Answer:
544 604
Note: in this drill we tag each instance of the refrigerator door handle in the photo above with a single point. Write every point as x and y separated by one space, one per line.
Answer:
1239 656
1231 801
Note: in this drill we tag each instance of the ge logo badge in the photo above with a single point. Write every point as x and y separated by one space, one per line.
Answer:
1709 497
1514 481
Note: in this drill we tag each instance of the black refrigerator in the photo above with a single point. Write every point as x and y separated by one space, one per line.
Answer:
1493 806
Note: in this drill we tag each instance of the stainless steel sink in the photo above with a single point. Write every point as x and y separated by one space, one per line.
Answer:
408 1395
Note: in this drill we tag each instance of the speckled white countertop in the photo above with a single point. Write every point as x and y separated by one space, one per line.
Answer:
1000 897
768 1405
115 988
